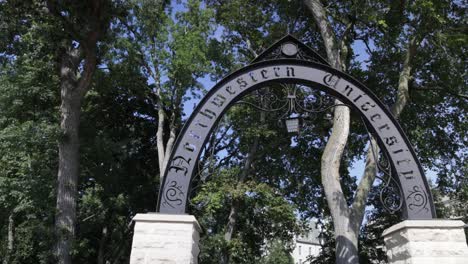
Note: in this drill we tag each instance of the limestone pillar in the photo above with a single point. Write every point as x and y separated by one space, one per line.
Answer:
426 242
165 239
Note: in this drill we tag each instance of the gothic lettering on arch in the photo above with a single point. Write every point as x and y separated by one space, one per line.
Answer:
241 82
375 117
229 90
264 74
187 149
208 113
190 147
290 71
390 141
194 135
397 151
357 98
276 70
219 100
403 161
180 163
407 174
200 124
385 126
366 106
348 90
252 76
331 80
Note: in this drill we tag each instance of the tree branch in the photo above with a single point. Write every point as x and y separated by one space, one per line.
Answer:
326 31
88 71
359 203
249 47
160 139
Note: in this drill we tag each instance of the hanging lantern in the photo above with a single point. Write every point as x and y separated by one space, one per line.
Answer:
293 124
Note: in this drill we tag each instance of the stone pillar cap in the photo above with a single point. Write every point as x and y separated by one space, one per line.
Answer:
432 223
168 218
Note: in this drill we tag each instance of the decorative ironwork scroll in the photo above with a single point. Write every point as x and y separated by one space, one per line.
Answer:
290 68
391 195
291 101
295 98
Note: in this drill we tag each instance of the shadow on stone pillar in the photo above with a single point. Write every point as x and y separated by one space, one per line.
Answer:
426 241
165 239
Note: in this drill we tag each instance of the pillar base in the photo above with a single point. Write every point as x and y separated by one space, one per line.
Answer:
165 239
426 241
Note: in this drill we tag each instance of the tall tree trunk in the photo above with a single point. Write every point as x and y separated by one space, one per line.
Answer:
69 163
77 66
232 219
165 148
326 31
160 139
10 238
405 77
72 90
347 220
11 235
346 233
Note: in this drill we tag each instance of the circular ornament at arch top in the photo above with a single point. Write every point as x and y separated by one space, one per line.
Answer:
289 49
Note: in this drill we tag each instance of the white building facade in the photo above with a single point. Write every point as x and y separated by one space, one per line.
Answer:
306 246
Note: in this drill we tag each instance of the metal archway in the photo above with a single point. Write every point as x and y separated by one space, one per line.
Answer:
296 64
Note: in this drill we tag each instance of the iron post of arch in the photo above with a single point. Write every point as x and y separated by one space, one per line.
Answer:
289 61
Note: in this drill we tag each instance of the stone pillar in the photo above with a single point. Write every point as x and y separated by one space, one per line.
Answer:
165 239
426 242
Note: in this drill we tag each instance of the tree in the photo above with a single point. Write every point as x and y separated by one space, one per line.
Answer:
347 220
172 54
113 147
84 24
410 27
118 165
277 254
28 132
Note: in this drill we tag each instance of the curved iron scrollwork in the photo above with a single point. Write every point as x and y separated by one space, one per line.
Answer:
417 198
390 193
206 165
173 194
291 99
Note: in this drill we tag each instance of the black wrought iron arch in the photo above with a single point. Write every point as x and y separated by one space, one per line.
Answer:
173 196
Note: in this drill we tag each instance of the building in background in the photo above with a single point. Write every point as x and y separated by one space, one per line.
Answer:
307 245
